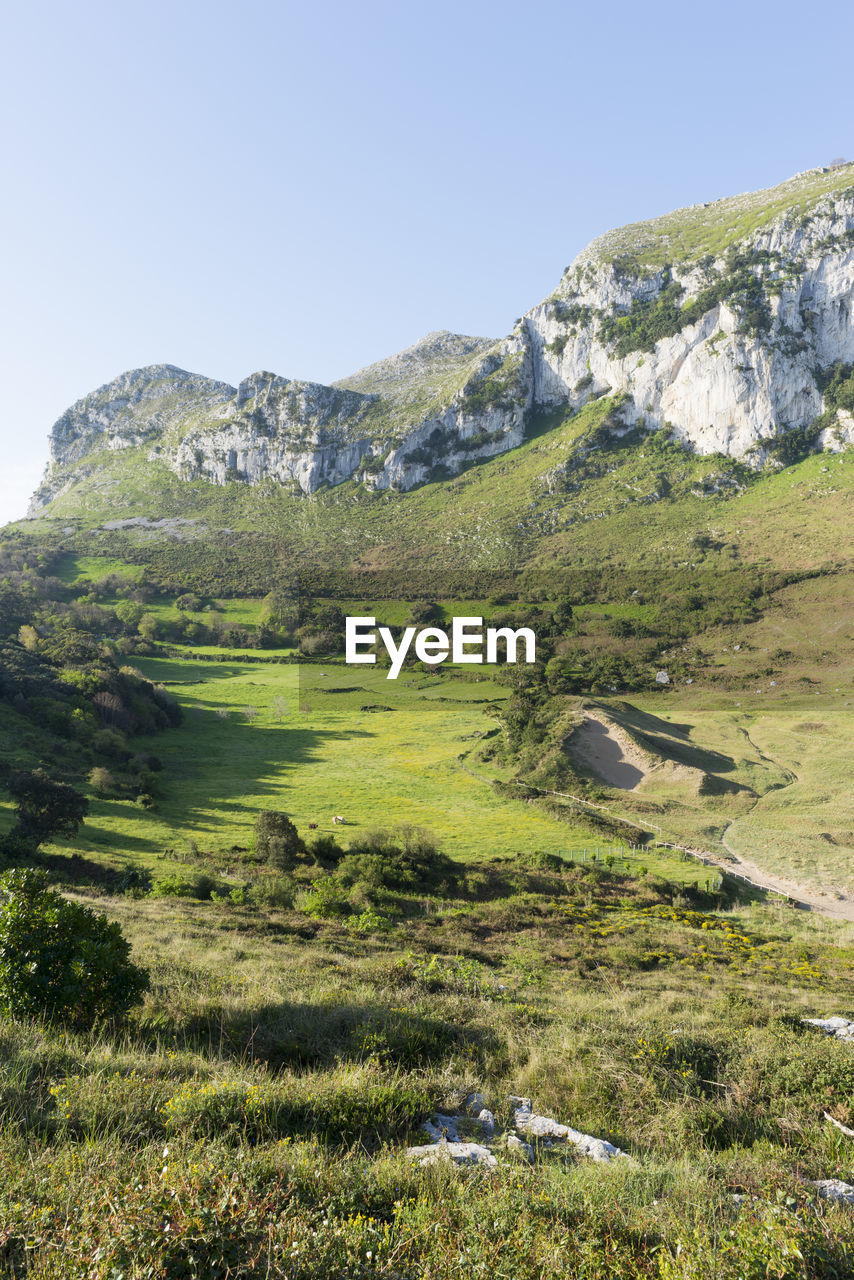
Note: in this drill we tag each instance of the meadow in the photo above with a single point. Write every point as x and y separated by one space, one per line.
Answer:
252 1116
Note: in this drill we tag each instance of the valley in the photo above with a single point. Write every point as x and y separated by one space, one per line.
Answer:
465 896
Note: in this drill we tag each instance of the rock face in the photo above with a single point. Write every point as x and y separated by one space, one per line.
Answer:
725 321
727 348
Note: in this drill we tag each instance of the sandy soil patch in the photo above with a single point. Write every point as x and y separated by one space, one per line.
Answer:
610 753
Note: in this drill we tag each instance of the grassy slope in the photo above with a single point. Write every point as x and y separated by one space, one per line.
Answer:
548 503
375 768
688 234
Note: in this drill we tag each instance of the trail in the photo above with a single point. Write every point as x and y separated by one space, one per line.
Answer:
828 902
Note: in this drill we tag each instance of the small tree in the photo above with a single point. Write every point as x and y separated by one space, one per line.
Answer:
101 780
59 960
277 839
45 808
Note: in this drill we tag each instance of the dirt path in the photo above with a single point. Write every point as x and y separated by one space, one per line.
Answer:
828 902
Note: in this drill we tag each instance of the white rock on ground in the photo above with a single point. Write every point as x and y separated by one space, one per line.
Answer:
841 1028
457 1152
447 1144
835 1189
517 1147
527 1121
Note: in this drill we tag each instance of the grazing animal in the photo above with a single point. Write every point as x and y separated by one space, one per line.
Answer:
338 818
312 826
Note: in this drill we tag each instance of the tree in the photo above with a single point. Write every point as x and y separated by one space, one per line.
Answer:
277 839
101 780
148 627
59 960
129 612
45 808
188 603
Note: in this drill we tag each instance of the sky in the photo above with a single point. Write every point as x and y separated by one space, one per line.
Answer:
309 188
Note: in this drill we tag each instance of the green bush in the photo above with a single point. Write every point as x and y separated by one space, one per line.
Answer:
199 886
324 900
277 840
59 960
273 891
404 857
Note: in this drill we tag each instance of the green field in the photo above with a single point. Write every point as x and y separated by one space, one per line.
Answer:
247 745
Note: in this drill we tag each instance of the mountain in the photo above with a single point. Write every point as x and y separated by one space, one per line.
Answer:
726 328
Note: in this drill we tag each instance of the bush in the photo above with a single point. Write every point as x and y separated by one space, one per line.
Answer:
200 886
59 960
277 840
325 850
405 858
274 891
324 900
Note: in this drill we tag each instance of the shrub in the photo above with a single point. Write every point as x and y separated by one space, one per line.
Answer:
274 891
59 960
325 850
324 900
277 840
404 857
176 886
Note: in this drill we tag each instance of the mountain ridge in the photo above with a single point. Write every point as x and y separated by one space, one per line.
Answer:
729 344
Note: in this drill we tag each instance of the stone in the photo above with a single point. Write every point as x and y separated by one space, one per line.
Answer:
459 1153
544 1128
835 1189
836 1026
516 1147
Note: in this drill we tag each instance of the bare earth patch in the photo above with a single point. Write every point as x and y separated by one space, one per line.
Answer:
610 753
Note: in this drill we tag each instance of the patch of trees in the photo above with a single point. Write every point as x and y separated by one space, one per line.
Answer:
44 809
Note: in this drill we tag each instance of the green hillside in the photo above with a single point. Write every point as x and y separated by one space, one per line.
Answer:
578 492
687 235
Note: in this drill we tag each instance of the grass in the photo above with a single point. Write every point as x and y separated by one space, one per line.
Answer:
260 1102
689 234
374 767
541 504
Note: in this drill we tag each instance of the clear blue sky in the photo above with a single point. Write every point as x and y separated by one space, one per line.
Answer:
307 188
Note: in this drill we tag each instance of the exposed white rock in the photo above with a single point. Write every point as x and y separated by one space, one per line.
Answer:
516 1147
745 369
456 1152
835 1189
446 1142
723 389
537 1126
839 1027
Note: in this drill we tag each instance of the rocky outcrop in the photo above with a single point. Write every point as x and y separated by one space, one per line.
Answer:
449 1144
723 322
744 338
303 433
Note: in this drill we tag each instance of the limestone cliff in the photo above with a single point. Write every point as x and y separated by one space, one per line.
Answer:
726 321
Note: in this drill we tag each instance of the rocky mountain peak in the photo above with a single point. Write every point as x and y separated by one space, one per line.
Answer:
725 321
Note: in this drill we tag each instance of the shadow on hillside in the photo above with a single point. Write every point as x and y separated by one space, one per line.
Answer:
665 738
206 777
